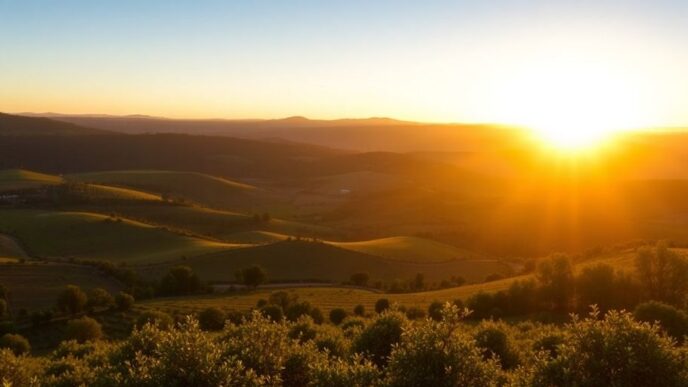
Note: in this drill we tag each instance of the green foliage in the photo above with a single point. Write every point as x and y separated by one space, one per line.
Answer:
359 310
337 372
160 319
663 274
273 312
84 329
17 371
438 354
555 276
381 305
211 319
337 315
180 280
100 298
494 342
72 300
377 339
614 351
252 276
673 320
18 344
124 301
435 310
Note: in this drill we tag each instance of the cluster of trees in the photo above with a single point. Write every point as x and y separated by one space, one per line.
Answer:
660 274
387 350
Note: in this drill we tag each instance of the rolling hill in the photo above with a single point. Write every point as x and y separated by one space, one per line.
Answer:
407 249
15 125
19 179
95 236
302 260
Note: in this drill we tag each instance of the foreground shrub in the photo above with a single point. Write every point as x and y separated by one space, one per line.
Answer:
160 319
437 354
18 344
273 312
17 370
357 372
381 305
493 341
84 329
377 339
211 319
673 320
615 351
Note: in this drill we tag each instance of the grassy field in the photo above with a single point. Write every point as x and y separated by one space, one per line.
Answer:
36 285
96 236
328 298
408 249
198 187
256 237
17 179
300 260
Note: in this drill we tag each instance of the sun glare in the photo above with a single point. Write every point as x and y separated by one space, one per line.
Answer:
573 107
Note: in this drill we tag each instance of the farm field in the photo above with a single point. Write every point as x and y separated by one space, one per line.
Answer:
408 249
18 179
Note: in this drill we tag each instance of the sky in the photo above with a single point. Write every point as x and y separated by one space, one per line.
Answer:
497 61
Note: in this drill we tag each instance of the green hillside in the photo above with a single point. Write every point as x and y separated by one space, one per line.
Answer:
18 179
91 235
299 260
408 249
256 237
198 187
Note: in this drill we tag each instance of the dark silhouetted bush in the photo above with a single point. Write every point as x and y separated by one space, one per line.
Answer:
211 319
337 315
84 329
18 344
381 305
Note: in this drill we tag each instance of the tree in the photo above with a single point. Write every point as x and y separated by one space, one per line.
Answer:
252 276
673 320
377 339
211 319
435 310
663 274
555 276
597 285
72 300
360 279
159 319
359 310
180 280
84 329
124 301
419 282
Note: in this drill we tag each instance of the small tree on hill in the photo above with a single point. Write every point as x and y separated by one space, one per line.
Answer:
84 329
663 274
180 280
555 275
252 276
100 298
124 301
72 300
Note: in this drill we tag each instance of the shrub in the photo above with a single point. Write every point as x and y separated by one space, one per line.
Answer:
435 310
18 344
17 371
359 310
673 320
72 300
297 310
336 372
377 339
158 318
415 313
99 298
337 315
282 299
317 316
437 354
180 280
303 330
211 319
555 276
84 329
331 340
352 322
124 301
614 351
252 276
273 312
381 305
494 341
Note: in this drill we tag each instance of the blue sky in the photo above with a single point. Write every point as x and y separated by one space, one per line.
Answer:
429 60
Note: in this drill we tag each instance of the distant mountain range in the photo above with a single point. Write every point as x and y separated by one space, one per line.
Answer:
14 125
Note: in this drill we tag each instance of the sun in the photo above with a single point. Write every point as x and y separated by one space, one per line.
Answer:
571 106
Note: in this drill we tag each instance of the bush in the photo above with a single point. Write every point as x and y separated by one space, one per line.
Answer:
317 316
18 344
494 341
415 313
359 310
381 305
614 351
673 320
180 280
337 315
100 298
160 319
84 329
252 276
298 309
437 354
273 312
124 301
435 310
211 319
17 371
72 300
377 339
